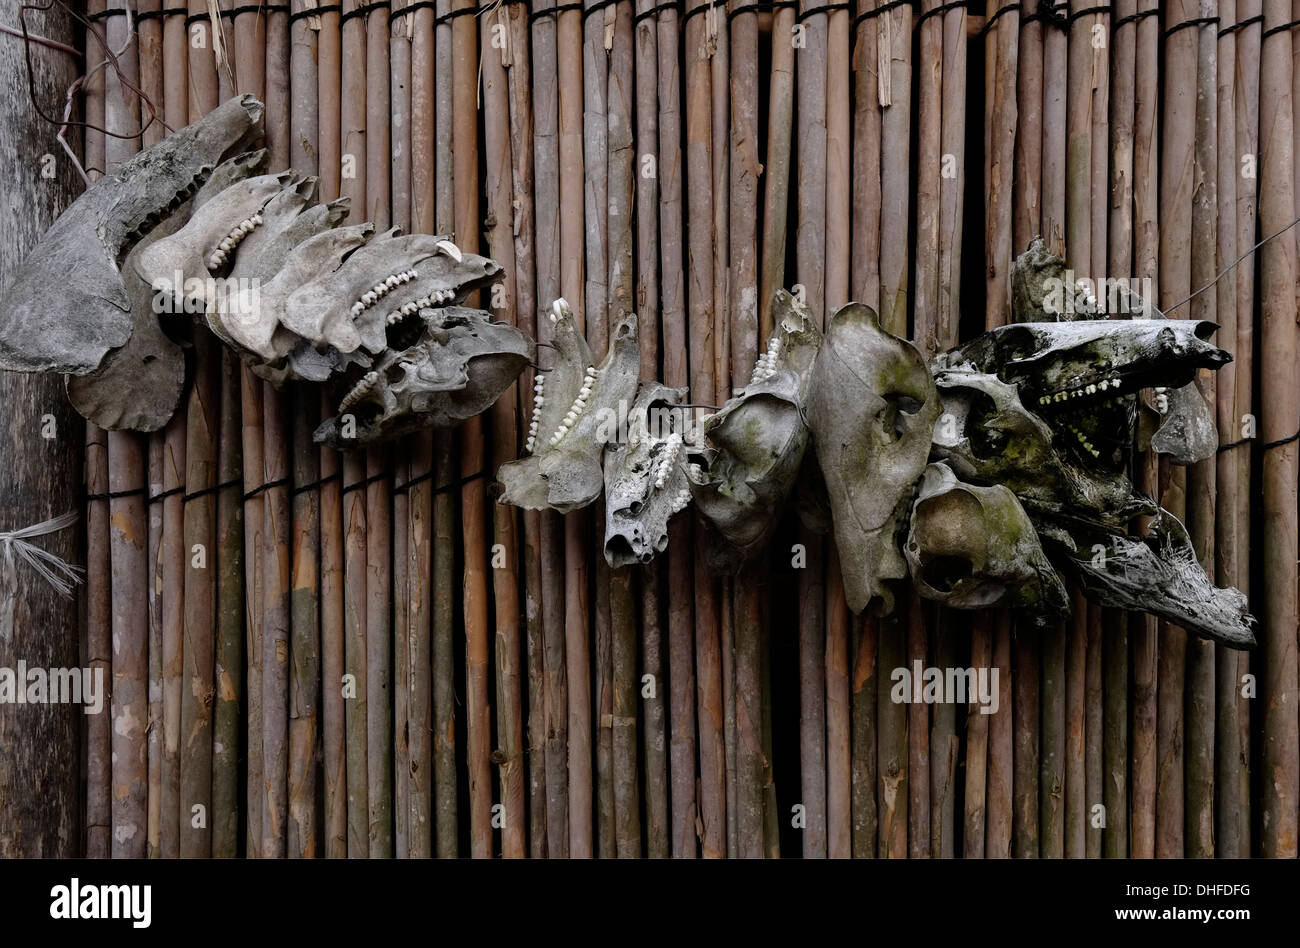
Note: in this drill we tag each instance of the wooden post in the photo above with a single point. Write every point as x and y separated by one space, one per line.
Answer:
40 453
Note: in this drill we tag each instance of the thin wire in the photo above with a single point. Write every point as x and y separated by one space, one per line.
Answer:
1230 266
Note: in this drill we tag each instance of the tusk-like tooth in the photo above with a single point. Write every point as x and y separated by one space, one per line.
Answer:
451 250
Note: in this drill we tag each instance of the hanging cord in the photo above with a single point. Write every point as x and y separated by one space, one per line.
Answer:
60 575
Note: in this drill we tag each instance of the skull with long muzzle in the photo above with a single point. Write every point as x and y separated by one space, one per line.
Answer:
871 409
755 443
645 479
576 413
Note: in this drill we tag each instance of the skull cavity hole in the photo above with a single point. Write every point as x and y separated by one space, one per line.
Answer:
893 417
945 572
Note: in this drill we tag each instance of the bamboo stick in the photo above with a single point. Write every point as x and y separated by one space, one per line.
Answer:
595 154
1246 108
1227 734
746 802
810 268
305 643
546 183
304 646
196 676
332 612
780 126
621 300
401 30
1199 701
1279 419
989 833
277 524
865 281
894 78
839 195
444 509
472 461
149 37
1119 260
127 473
1176 193
419 688
497 49
654 743
1146 256
379 621
1079 187
681 670
155 727
354 155
248 72
98 648
570 57
518 67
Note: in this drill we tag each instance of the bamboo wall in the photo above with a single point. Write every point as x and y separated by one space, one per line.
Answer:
509 694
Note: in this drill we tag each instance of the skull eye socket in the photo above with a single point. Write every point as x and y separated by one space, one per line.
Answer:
892 417
987 438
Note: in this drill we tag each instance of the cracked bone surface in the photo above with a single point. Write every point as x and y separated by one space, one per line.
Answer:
83 251
871 409
192 231
756 442
645 477
578 408
1155 572
972 547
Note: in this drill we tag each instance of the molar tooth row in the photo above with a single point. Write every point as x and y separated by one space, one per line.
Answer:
436 298
681 500
231 241
669 458
372 295
1092 388
576 409
361 388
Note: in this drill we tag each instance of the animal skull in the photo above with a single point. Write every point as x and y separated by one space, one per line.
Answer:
192 225
756 442
82 253
577 407
973 547
645 480
871 409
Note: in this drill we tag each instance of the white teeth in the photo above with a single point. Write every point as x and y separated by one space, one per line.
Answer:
1092 390
450 249
257 219
558 308
369 298
227 245
391 282
358 308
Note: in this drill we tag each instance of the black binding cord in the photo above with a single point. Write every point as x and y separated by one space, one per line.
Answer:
1276 29
1134 17
467 479
941 8
313 11
1194 21
1249 21
363 9
536 15
991 20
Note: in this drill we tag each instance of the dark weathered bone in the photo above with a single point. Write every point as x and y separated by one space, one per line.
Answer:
1187 431
1157 573
645 479
578 409
460 368
82 252
973 547
756 442
872 409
